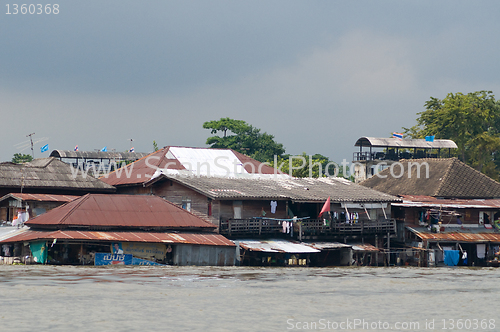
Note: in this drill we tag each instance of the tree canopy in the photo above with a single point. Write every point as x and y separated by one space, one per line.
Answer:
309 166
471 120
20 158
244 138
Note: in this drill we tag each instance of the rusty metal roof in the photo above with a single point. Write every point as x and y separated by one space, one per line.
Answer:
152 237
39 197
119 211
473 235
428 201
364 247
276 246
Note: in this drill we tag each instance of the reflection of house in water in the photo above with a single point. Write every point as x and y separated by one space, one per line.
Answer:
147 227
451 211
383 152
246 200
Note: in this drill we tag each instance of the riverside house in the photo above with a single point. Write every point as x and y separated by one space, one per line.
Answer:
452 210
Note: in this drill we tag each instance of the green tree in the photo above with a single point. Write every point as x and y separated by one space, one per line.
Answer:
155 146
471 120
309 166
20 158
244 138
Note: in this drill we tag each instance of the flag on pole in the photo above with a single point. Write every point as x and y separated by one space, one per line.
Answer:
397 135
131 150
44 148
104 149
429 138
326 207
76 148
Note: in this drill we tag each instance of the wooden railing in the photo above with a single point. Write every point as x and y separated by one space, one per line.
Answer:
319 227
259 226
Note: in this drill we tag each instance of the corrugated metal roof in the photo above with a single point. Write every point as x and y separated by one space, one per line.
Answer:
474 235
133 211
39 197
97 155
364 247
152 237
49 173
428 201
381 142
296 189
328 245
276 246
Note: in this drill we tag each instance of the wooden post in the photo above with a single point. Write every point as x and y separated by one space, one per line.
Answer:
376 246
388 249
260 226
300 231
229 226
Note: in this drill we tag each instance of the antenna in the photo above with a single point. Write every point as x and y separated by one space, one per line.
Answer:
31 140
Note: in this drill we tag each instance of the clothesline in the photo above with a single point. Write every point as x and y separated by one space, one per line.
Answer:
294 219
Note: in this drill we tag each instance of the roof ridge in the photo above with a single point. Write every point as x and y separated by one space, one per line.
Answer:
445 177
99 178
82 199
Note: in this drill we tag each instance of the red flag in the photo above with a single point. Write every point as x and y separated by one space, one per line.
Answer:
326 207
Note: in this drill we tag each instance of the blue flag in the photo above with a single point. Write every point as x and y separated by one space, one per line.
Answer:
104 149
429 138
44 148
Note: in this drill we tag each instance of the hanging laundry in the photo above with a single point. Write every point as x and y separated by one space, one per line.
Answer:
481 251
284 226
274 204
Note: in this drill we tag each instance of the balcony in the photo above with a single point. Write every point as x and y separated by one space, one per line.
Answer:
307 227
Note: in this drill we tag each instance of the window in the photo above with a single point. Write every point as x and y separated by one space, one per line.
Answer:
237 207
186 203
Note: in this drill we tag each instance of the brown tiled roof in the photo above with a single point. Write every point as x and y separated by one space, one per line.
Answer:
296 189
49 173
120 211
448 178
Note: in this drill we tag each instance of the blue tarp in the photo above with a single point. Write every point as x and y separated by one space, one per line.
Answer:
451 257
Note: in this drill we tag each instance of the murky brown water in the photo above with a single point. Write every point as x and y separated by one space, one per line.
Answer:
47 298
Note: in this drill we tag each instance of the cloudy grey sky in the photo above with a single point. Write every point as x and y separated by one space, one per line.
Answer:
316 74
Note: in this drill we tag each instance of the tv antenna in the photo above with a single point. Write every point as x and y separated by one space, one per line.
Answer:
29 143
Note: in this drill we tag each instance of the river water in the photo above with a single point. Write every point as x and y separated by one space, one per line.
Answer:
70 298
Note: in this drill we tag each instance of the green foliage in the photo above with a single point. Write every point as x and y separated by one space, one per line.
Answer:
309 166
471 120
245 139
155 146
20 158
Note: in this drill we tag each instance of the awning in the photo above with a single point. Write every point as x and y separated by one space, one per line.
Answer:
277 246
151 237
458 235
364 247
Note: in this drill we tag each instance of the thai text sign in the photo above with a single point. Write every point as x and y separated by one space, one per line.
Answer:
112 259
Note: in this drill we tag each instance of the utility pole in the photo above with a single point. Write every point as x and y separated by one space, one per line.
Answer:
31 140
